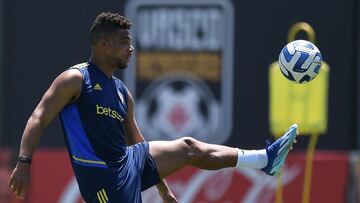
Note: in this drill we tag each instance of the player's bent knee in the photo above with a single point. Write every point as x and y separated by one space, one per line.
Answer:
189 141
193 150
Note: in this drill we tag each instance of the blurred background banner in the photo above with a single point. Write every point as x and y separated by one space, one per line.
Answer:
182 68
209 59
42 39
54 182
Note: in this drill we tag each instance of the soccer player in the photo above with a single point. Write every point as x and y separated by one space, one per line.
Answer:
110 158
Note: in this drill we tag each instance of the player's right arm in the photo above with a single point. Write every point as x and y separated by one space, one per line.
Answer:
65 89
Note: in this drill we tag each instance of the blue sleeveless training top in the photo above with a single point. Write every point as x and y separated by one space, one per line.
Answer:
93 124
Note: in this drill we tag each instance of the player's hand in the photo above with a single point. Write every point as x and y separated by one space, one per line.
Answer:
20 180
168 197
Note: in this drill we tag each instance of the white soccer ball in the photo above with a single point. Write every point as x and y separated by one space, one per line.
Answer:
300 61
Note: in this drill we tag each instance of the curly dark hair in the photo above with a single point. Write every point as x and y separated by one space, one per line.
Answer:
107 23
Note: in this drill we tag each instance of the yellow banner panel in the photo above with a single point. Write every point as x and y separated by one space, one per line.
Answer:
304 104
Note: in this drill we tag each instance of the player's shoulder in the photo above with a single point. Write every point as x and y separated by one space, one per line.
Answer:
83 65
74 74
118 81
122 86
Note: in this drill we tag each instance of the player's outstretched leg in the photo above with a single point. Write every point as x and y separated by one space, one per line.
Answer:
170 156
278 151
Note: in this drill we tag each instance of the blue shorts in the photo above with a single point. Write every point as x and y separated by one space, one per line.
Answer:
120 182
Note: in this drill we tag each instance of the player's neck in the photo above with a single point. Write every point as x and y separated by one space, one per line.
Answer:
103 65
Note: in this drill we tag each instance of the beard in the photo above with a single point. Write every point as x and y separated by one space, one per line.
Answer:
121 64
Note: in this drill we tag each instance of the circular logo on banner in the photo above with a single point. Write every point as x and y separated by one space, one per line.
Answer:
177 106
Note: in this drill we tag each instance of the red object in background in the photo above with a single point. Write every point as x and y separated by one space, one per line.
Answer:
51 175
5 172
52 181
329 182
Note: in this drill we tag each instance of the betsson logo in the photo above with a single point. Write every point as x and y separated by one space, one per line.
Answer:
107 111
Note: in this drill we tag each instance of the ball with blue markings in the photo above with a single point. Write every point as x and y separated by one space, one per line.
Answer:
300 61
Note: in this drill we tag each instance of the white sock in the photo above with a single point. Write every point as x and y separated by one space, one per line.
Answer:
252 158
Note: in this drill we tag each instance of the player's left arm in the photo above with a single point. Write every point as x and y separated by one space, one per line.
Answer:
132 131
133 136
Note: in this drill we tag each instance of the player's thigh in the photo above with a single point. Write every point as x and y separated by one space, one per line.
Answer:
171 156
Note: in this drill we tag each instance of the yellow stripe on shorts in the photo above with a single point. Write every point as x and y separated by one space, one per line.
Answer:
102 197
99 198
104 193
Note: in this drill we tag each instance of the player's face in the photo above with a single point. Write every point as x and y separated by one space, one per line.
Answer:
121 48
